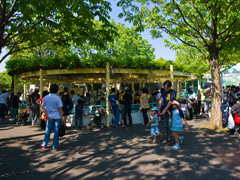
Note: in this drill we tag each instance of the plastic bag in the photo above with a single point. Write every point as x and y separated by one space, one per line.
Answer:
231 123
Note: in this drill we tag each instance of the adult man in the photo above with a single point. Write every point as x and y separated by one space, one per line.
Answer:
52 107
3 102
35 106
168 95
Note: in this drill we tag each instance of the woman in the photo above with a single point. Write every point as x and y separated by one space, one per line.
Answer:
65 100
192 102
144 104
127 106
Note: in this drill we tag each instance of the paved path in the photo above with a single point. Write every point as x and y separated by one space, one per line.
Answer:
116 153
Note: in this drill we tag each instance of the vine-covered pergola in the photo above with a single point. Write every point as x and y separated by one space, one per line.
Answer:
102 75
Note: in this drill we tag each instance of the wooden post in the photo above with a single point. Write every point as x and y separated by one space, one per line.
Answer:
49 85
177 87
15 84
91 87
199 83
24 90
41 82
107 92
171 75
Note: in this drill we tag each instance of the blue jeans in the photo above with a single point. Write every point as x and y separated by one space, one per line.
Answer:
13 112
78 120
167 124
116 113
52 124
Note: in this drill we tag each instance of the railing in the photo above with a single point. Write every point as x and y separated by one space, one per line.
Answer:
93 108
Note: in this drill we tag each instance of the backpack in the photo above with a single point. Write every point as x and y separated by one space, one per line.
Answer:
70 105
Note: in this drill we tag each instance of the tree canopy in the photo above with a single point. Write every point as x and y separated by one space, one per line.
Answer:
128 49
60 21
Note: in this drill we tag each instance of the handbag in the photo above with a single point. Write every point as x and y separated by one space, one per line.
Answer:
62 130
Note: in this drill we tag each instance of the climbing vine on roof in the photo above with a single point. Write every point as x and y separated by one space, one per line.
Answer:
128 49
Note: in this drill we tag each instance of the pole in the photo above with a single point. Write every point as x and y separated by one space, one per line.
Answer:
15 84
41 82
24 90
107 92
171 75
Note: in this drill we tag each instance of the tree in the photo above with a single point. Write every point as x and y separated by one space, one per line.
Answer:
36 22
128 49
5 81
190 60
211 27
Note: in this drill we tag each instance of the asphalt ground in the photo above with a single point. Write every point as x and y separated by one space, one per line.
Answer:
117 153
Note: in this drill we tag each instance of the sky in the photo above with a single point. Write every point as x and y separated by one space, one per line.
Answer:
158 44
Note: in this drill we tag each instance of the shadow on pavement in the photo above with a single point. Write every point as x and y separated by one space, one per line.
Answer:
117 153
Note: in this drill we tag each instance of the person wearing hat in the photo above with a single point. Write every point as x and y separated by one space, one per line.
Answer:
154 122
192 102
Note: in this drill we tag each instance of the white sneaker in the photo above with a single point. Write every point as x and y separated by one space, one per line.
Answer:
11 119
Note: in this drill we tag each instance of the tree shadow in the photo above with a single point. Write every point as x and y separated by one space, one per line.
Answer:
117 153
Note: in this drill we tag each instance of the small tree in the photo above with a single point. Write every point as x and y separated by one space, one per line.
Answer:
211 27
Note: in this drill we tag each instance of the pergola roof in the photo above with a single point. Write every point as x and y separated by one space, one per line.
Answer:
98 75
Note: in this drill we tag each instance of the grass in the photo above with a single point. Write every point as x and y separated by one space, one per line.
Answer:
205 128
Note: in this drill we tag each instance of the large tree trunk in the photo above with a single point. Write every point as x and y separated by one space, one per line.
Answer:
215 121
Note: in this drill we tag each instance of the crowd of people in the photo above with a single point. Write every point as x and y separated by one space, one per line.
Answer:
54 107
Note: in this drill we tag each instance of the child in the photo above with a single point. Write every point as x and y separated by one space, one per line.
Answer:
184 107
177 117
154 121
78 113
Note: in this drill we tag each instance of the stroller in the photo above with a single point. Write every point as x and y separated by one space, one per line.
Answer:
23 114
98 114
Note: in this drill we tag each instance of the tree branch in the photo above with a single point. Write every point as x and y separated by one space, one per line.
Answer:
184 19
170 33
201 16
234 21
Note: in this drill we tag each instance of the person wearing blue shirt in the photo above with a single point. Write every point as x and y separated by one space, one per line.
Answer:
114 106
168 95
3 102
52 107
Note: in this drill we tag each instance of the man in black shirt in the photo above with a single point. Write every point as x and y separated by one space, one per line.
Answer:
168 95
35 107
127 106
